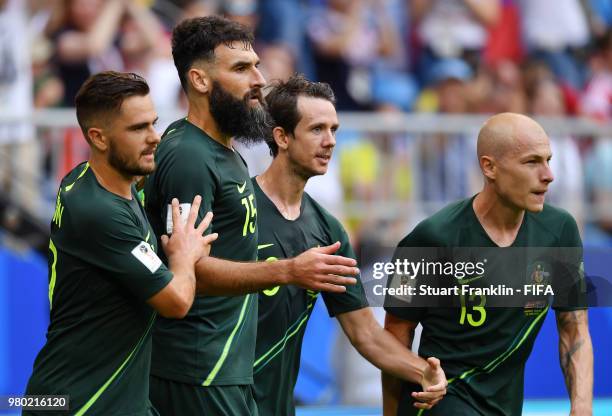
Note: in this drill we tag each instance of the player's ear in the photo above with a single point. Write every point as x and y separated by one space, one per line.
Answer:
281 138
199 80
96 138
488 167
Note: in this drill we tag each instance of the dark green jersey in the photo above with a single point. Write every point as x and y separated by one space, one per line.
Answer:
102 269
284 310
483 356
215 343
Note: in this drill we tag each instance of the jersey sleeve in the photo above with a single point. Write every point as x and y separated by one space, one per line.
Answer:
569 280
183 179
117 246
354 298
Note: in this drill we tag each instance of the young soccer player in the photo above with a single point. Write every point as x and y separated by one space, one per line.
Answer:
106 282
289 222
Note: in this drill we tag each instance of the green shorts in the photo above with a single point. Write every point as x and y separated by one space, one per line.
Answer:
172 398
449 405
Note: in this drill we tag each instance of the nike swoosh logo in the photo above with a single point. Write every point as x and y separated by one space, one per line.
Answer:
241 188
464 281
262 246
271 292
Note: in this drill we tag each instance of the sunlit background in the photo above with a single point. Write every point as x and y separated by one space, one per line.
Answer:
414 80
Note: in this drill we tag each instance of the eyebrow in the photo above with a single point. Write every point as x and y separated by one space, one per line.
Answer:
142 125
323 124
536 156
244 63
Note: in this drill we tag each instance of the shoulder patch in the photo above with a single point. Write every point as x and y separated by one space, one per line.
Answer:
145 254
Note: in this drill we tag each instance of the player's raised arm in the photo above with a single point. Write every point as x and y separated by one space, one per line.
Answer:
576 359
315 269
184 248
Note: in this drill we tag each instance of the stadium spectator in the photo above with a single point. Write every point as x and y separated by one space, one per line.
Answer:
140 38
536 70
241 11
498 88
348 38
556 31
600 16
567 191
283 22
504 41
452 29
19 149
597 103
48 88
446 163
84 32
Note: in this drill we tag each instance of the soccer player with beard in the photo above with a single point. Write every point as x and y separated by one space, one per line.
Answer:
203 364
105 279
290 221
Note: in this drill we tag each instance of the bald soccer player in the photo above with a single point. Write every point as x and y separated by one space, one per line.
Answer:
484 356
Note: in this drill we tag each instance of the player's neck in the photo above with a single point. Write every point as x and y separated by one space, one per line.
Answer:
284 188
109 178
501 221
199 115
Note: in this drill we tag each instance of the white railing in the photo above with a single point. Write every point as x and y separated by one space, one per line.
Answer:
412 123
59 129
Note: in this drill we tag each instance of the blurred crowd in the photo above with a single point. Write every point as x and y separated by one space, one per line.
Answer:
544 57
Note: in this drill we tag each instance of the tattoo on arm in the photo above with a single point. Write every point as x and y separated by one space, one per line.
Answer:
569 344
564 319
566 357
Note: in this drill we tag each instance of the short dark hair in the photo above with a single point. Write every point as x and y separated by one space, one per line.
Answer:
196 39
282 103
103 93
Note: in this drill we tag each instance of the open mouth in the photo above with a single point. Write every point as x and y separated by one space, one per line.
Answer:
148 154
255 96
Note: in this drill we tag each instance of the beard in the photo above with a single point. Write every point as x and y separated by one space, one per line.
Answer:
124 166
237 118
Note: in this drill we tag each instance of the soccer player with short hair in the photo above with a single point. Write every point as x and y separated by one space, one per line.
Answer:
484 356
289 222
204 363
105 279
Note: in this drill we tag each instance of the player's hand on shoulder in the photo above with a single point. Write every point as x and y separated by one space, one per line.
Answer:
187 239
319 269
433 383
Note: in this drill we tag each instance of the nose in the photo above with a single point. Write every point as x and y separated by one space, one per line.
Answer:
258 79
547 175
330 139
153 137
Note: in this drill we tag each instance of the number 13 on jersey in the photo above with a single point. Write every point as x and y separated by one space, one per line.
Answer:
250 215
476 310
